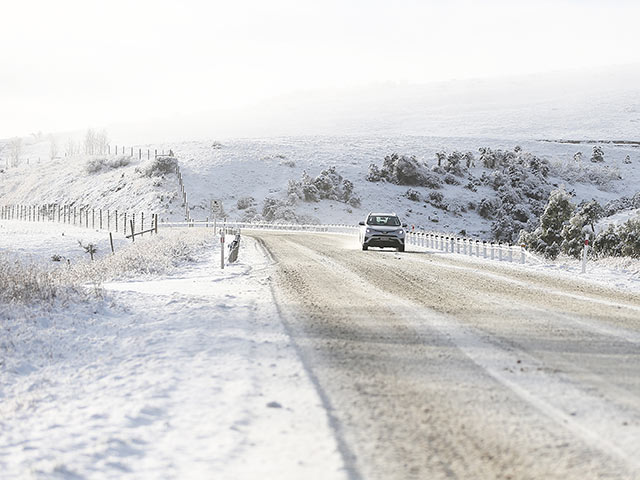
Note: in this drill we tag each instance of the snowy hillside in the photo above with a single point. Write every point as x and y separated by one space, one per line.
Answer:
242 173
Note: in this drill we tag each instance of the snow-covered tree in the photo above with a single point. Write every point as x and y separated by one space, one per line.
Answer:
90 142
15 151
547 238
101 142
577 157
70 148
627 159
53 147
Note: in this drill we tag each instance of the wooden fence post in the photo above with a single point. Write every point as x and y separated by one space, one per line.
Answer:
141 223
100 219
93 218
111 242
125 224
156 224
133 231
108 220
116 221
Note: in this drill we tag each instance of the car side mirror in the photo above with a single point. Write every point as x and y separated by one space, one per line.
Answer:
361 223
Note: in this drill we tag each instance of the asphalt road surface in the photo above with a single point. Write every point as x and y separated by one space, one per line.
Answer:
436 366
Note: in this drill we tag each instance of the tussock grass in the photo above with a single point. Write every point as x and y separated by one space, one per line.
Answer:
28 283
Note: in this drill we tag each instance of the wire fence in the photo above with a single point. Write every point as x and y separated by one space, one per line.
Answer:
117 221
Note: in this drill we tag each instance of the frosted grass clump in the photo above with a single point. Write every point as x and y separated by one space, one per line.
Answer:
28 284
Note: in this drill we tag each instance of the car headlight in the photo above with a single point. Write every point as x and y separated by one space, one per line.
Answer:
369 230
400 231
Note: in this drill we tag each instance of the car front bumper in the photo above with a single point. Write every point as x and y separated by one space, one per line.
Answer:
381 240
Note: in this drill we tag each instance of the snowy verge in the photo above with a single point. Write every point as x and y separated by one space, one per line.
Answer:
187 374
620 273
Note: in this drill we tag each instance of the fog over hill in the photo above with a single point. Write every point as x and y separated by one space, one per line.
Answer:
583 104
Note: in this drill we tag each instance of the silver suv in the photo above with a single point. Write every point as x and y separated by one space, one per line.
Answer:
382 230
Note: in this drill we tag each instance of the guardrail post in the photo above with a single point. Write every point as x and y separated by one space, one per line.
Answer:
510 253
499 251
484 249
522 253
477 248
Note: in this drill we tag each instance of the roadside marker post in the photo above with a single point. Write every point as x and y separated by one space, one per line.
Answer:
584 254
222 249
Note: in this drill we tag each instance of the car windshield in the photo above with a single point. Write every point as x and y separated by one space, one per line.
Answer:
383 221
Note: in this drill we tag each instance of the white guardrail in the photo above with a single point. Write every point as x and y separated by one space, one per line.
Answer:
420 240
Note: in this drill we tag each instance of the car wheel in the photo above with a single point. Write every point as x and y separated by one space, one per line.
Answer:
365 246
400 248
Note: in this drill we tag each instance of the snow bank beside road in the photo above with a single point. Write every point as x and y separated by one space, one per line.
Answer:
194 378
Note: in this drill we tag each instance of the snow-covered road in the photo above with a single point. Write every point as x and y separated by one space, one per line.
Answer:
437 366
372 365
189 375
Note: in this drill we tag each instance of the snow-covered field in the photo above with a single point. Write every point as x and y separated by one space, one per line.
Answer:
186 374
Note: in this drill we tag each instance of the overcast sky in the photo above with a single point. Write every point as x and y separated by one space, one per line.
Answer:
71 64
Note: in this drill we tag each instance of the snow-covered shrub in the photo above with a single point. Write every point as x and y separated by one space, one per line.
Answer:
547 238
435 197
374 174
627 159
601 176
245 202
276 210
630 238
623 203
597 156
413 195
488 207
450 179
455 162
287 162
471 186
329 184
607 243
97 164
216 145
403 170
621 241
469 159
158 166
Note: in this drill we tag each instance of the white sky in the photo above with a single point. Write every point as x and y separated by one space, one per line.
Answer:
68 64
